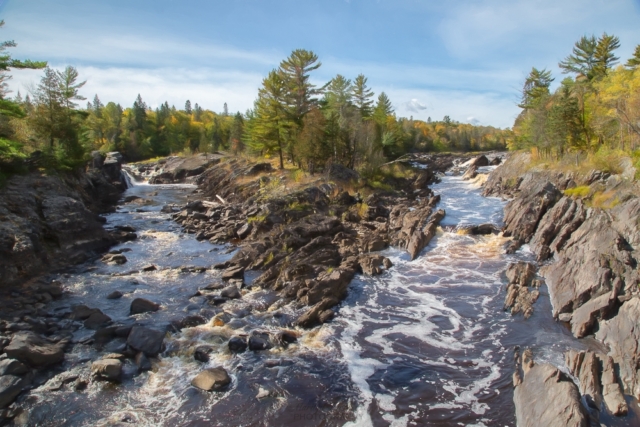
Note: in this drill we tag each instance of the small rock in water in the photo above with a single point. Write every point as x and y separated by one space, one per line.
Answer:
96 320
259 341
262 393
107 369
564 317
230 292
211 379
288 337
149 267
202 353
142 305
114 295
237 344
114 259
233 273
12 367
142 362
146 340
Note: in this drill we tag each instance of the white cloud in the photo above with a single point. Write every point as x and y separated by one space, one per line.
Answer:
485 107
210 89
414 105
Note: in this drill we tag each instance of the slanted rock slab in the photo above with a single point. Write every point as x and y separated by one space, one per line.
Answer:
10 388
29 348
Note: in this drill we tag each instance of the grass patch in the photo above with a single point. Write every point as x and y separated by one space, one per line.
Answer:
256 218
604 200
578 192
363 210
297 206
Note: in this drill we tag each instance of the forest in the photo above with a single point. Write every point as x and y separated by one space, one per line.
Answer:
595 110
292 120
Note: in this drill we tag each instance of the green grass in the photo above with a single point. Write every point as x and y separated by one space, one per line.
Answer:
578 192
256 218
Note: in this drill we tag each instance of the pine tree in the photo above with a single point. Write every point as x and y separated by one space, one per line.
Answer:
634 61
383 109
270 132
301 94
536 87
362 96
187 107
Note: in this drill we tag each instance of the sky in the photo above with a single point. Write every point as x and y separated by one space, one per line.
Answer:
465 58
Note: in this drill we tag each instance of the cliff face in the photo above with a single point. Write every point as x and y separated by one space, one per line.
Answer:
50 221
590 255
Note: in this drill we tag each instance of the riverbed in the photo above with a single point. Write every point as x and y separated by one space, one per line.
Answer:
426 343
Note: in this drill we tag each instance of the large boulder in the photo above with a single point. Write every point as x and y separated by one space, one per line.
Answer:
29 348
211 379
146 340
547 397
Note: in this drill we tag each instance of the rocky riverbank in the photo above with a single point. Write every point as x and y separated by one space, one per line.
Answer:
47 222
588 256
308 240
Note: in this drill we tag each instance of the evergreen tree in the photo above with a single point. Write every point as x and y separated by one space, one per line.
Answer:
271 131
338 94
301 94
187 107
6 62
536 87
235 135
362 96
634 61
383 109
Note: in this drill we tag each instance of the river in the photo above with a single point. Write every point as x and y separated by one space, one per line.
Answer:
426 343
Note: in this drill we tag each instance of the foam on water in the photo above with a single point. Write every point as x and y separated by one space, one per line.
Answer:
434 311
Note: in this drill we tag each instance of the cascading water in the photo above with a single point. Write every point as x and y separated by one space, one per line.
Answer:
129 179
426 343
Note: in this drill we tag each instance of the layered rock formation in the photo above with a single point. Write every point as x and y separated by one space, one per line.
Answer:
590 260
310 242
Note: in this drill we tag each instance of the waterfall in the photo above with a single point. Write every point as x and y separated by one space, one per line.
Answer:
127 178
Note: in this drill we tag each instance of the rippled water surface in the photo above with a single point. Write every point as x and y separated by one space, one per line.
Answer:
426 343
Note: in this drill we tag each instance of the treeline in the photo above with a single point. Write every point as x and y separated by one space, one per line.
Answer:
343 122
292 119
597 107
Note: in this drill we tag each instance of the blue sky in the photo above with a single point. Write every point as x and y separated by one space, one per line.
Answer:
465 58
